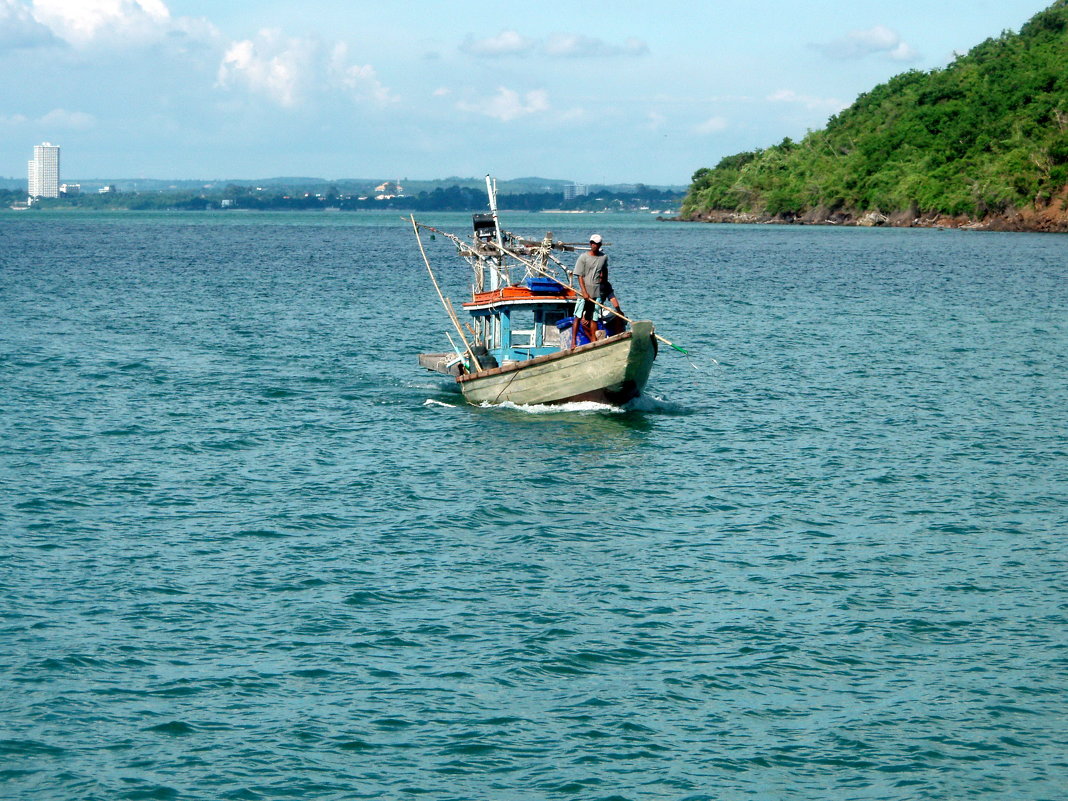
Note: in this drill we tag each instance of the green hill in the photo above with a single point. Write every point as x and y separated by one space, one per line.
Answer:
985 139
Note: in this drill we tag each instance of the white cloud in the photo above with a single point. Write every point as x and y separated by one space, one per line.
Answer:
505 43
442 91
904 52
82 21
507 105
360 81
556 45
288 70
654 120
578 46
89 23
272 66
859 44
56 119
69 120
711 125
19 28
828 104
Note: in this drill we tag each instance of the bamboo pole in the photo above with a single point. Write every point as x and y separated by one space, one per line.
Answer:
475 366
455 347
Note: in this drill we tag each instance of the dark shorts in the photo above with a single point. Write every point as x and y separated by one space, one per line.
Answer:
603 294
588 308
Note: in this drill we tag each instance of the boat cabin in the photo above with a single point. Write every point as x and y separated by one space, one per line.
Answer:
520 322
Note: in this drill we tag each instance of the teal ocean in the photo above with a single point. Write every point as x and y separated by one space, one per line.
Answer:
248 550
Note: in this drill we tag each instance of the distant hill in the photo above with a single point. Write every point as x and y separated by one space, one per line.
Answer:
983 141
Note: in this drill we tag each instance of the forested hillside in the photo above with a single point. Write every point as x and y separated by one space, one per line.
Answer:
985 139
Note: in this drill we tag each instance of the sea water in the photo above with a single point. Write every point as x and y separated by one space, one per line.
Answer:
249 550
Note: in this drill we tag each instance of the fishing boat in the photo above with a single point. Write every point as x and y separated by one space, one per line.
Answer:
518 343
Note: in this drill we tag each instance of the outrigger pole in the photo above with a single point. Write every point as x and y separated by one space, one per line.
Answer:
475 366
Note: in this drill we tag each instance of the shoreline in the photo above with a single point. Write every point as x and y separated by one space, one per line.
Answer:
1052 218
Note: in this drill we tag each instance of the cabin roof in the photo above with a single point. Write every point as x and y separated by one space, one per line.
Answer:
518 296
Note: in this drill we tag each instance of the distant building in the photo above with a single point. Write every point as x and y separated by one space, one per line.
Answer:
70 189
572 191
389 189
43 171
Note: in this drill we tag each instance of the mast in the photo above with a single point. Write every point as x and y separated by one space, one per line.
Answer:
496 272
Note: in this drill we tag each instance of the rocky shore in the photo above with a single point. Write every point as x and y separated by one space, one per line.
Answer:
1048 218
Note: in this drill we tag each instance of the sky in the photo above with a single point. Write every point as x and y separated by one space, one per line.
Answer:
594 91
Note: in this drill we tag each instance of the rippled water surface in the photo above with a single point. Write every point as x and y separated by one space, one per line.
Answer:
250 551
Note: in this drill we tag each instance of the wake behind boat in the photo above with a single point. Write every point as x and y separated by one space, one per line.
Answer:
517 345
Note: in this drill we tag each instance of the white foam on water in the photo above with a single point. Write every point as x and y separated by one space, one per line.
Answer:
651 403
432 402
643 403
557 408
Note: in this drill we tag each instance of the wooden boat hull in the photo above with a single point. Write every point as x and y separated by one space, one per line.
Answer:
611 371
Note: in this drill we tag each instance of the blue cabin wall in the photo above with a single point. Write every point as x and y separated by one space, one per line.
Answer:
506 351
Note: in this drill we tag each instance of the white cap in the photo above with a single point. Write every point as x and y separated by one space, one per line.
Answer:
596 238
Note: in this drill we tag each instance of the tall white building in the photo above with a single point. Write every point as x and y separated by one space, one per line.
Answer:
572 191
43 171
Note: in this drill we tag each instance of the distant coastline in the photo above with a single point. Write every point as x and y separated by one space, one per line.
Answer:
331 197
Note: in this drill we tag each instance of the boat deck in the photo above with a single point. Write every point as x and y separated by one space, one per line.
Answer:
439 363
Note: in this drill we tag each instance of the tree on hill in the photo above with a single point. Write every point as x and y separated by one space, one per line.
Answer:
985 135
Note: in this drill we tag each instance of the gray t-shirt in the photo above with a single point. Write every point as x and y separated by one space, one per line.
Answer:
593 269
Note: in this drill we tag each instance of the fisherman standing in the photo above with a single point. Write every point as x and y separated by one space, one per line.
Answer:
591 270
